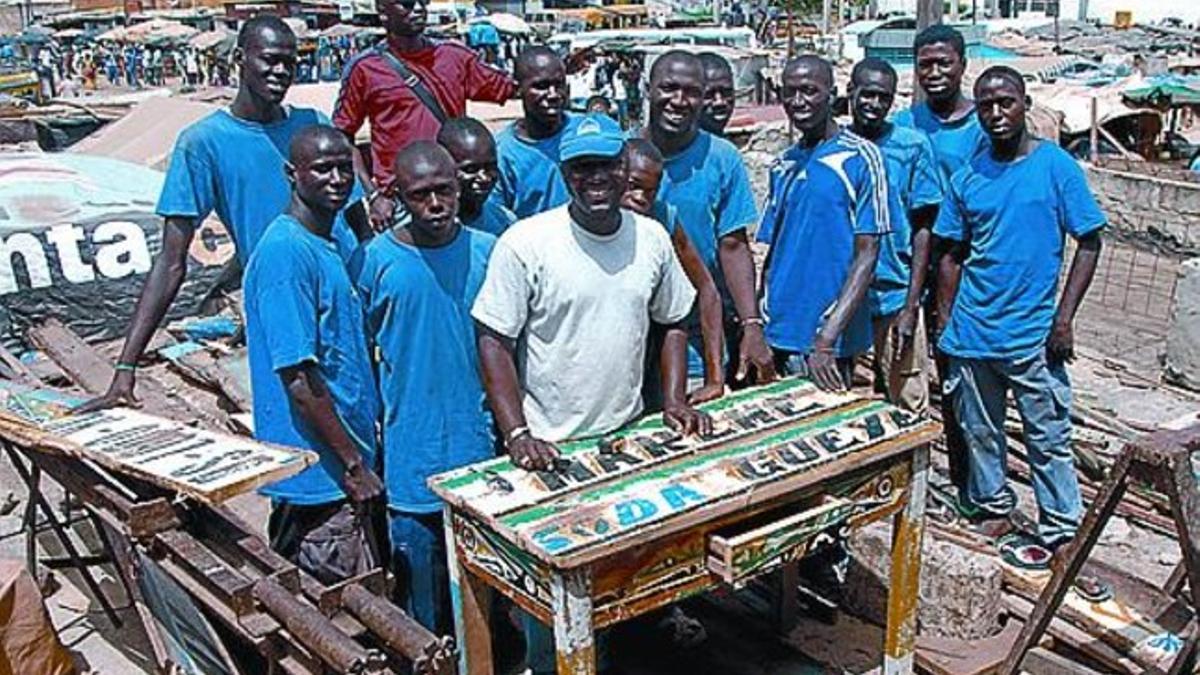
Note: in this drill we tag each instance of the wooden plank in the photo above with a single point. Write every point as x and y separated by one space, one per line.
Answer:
93 373
20 372
1074 637
199 364
952 656
905 582
1041 661
209 466
1121 626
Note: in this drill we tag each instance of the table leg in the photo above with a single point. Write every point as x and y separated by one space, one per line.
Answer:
471 598
785 605
905 583
574 639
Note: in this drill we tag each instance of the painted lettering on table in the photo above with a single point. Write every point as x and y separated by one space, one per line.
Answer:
806 451
621 516
497 486
591 514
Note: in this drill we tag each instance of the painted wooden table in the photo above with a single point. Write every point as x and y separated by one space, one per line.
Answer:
642 518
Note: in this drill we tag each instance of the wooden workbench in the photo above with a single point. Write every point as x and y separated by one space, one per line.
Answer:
643 518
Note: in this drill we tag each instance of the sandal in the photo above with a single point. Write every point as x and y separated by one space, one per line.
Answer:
1092 589
1024 552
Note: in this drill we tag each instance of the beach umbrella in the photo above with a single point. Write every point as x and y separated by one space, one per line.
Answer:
36 35
505 23
218 38
1167 90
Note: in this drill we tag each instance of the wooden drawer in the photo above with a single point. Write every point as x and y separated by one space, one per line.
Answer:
746 550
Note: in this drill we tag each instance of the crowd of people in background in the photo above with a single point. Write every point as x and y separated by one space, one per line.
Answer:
449 295
67 70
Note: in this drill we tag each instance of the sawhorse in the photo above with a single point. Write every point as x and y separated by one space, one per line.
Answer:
31 476
1168 460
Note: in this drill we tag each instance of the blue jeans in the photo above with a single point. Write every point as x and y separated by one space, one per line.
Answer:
978 389
419 565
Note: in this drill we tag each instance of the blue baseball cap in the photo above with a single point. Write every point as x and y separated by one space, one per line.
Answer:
595 136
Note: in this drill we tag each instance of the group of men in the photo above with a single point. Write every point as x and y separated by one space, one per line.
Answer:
457 295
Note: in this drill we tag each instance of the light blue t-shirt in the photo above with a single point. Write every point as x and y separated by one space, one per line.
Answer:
954 143
530 178
913 182
1196 164
1013 215
820 199
301 308
234 166
708 186
493 218
418 305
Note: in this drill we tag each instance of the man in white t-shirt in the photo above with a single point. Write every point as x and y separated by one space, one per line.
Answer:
566 306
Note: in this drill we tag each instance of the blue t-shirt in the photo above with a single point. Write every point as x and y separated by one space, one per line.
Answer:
530 179
954 143
1195 164
708 186
418 303
1013 215
820 199
301 308
233 166
913 182
493 218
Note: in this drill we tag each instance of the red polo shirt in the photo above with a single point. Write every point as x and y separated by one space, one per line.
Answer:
372 90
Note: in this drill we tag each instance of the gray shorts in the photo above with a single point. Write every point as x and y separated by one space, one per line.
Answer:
331 541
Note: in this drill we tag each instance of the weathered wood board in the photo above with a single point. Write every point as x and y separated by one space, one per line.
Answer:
208 466
1117 623
645 479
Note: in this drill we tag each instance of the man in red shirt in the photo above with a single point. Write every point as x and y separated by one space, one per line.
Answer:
373 88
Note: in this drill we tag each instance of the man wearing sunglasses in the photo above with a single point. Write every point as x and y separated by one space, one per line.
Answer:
407 86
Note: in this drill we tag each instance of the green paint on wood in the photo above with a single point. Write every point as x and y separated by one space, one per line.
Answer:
646 425
688 462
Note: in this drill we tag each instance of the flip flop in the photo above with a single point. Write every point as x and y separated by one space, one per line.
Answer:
1092 589
1024 552
977 520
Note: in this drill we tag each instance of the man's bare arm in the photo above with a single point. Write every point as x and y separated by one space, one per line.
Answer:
161 287
737 264
677 412
497 361
1061 345
822 363
950 257
712 323
922 220
307 391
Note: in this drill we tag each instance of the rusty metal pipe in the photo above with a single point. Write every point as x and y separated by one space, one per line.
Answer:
313 630
429 654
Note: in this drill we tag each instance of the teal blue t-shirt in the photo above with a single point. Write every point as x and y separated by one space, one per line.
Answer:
821 198
709 188
234 167
1013 216
493 218
913 182
418 306
954 143
530 179
301 308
